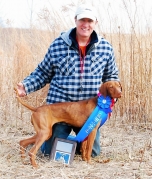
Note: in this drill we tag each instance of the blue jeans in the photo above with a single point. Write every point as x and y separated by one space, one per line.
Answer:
61 130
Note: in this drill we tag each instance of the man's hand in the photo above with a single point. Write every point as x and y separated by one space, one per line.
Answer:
21 90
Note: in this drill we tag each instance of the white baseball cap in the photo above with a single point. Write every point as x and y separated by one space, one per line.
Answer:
86 11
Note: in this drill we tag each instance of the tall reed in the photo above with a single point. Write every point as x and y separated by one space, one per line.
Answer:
22 49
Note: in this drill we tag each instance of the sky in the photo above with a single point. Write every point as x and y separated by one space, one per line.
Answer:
19 12
112 13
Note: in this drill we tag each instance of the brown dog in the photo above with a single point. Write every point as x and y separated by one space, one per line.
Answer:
44 117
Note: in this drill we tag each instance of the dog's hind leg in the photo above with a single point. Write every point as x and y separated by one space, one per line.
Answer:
24 143
42 136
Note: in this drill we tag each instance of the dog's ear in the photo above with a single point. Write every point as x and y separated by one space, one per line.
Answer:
103 90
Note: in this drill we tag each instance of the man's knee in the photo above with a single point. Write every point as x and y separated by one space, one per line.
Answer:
96 146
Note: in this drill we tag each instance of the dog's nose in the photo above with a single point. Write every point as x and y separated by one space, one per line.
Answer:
120 93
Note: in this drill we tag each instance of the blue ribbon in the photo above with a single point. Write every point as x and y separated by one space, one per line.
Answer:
100 113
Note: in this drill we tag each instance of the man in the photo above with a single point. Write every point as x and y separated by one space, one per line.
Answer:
76 64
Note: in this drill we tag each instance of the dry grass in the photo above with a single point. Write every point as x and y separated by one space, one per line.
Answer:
125 139
126 153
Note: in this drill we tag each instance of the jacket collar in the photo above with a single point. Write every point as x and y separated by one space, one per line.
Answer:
70 38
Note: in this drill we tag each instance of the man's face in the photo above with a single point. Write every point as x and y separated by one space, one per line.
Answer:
85 26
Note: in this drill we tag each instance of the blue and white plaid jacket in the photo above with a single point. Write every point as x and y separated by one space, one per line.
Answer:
61 68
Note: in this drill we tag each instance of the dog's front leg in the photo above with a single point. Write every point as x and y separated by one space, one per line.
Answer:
90 142
84 149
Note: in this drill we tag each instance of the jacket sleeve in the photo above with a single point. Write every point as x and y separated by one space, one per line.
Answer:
111 69
40 76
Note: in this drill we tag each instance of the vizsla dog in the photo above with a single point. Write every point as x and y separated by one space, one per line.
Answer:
74 113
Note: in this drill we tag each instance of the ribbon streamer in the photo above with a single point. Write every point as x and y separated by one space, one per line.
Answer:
100 113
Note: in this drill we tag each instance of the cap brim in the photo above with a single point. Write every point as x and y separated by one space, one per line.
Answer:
86 15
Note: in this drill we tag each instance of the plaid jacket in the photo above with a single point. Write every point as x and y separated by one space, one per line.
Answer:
61 68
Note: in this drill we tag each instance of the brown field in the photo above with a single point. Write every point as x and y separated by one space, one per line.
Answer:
126 138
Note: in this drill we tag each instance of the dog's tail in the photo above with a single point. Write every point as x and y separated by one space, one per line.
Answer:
23 103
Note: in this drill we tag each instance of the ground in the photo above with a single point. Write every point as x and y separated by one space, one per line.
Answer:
126 154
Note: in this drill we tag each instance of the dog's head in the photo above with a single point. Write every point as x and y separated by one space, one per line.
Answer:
112 89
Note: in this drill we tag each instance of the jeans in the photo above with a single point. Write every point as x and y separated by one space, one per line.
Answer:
61 130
